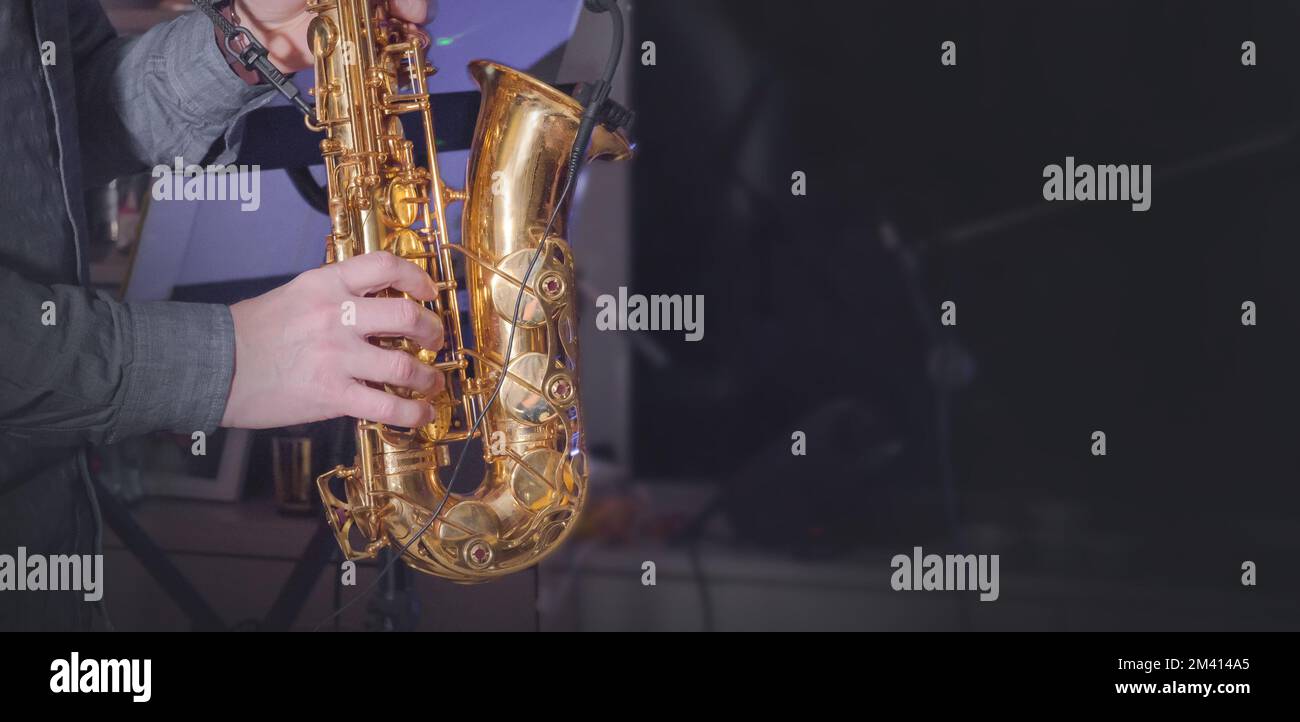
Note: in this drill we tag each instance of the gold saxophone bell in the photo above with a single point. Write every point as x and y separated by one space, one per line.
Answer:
370 69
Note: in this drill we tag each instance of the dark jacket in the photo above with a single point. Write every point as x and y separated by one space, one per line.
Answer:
103 371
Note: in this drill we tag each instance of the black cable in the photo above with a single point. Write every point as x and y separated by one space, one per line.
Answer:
587 125
600 92
312 192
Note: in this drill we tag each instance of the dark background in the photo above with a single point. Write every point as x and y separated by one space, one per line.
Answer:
1085 317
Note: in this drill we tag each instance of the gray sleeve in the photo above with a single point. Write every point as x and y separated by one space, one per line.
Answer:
79 366
147 100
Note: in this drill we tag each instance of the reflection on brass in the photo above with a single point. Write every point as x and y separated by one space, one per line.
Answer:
369 70
291 472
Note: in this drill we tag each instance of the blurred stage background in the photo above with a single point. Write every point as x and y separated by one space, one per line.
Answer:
924 185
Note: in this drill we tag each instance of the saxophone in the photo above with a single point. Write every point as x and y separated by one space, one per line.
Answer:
371 69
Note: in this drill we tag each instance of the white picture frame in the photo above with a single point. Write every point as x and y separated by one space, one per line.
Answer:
226 485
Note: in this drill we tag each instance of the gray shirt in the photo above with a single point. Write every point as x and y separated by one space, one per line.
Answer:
103 370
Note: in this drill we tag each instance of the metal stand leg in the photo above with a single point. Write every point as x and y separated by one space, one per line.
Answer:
118 518
297 588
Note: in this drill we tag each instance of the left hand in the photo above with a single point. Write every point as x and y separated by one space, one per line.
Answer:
281 25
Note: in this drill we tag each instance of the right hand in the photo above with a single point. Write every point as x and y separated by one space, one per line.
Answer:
296 360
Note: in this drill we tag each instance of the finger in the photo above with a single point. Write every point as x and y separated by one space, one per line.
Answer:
362 402
372 272
392 367
414 11
398 317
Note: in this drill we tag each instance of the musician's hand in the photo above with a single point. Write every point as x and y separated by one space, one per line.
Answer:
281 25
301 352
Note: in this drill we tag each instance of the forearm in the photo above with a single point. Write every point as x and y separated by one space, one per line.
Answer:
79 366
147 100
